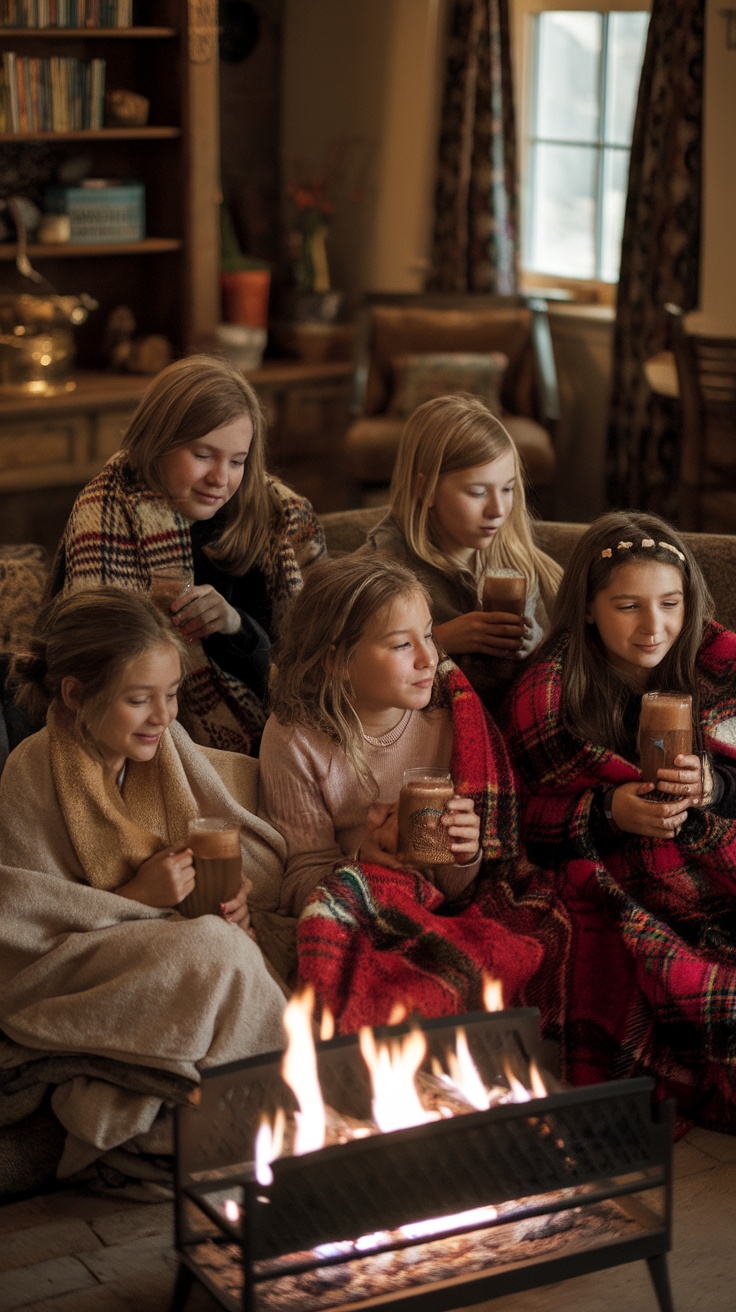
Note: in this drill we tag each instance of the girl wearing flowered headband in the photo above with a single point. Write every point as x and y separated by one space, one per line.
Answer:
650 884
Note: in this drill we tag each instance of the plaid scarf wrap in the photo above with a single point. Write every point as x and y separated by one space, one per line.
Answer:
119 531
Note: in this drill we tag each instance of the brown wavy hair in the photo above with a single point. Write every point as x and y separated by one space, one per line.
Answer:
594 693
185 402
91 635
321 628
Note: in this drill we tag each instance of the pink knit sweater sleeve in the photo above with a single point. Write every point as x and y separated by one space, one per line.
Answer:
308 792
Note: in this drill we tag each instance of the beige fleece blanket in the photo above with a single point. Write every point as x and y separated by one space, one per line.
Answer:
86 973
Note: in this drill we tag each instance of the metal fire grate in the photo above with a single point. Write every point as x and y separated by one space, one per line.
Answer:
581 1180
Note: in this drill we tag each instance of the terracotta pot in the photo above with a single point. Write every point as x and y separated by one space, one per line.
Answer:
245 297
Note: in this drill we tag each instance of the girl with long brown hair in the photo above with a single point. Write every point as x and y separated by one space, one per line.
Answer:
189 489
647 869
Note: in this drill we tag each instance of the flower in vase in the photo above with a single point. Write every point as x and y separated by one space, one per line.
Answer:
312 196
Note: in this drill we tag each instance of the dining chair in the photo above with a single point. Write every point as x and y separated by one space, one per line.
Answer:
706 373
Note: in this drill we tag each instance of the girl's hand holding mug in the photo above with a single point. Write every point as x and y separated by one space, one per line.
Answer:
236 911
463 826
634 814
202 611
692 779
491 633
164 880
380 842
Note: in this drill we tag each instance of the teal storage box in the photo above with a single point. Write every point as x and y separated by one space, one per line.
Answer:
98 215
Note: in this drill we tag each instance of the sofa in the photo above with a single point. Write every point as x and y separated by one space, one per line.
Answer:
345 530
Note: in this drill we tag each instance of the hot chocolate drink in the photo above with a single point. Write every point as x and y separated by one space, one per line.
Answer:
422 836
217 865
169 582
665 731
504 590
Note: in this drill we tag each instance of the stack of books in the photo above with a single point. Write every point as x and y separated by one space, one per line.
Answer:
51 95
66 13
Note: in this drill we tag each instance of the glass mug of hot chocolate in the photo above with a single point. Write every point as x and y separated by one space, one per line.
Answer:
422 836
503 590
169 582
218 866
665 732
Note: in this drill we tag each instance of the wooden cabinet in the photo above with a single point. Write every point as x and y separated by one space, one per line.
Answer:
307 410
51 446
170 279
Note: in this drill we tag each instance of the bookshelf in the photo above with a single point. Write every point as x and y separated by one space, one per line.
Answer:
169 278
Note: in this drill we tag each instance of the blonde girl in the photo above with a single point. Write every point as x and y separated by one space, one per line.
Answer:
351 709
189 489
457 507
360 696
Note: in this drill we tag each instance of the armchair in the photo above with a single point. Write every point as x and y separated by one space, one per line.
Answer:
399 324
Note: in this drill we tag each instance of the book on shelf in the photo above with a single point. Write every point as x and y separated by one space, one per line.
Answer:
58 94
66 13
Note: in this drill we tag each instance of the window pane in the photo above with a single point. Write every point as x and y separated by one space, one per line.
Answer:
615 186
562 237
627 35
567 103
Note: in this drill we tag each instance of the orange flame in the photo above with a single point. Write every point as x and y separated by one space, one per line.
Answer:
326 1025
392 1067
465 1075
492 994
299 1069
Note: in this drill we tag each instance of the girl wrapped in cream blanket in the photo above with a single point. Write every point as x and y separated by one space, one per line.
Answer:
116 1005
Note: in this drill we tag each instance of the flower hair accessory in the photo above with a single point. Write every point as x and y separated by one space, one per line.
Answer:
607 552
669 546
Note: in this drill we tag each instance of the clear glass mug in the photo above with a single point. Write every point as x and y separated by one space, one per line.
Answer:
422 836
665 732
503 590
168 582
218 865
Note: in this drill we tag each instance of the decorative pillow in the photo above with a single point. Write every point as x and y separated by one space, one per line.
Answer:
419 378
23 571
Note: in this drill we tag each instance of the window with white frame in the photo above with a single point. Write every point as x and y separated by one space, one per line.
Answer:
582 80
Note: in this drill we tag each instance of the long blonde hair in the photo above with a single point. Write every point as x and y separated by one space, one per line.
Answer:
184 402
322 626
443 436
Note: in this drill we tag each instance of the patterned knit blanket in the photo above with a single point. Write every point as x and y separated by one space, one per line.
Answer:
370 938
653 959
119 531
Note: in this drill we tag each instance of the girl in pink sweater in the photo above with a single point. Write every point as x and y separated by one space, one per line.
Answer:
353 708
360 695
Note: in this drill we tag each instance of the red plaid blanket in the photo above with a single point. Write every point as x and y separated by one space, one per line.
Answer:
653 954
370 937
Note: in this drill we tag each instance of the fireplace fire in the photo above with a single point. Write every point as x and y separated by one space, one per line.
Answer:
502 1179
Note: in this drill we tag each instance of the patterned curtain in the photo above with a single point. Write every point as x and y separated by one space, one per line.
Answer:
660 254
476 204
